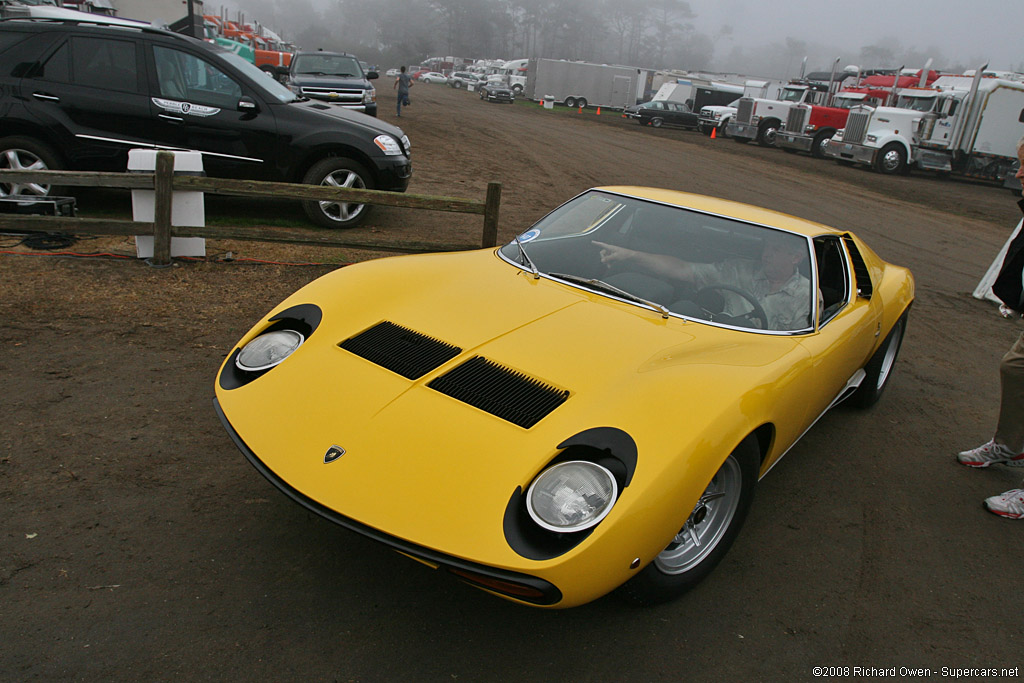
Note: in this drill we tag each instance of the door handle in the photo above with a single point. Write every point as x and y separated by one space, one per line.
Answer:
171 119
48 98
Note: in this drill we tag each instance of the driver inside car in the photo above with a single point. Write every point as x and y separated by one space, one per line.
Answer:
775 280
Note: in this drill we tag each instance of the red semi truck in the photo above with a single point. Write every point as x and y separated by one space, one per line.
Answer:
809 127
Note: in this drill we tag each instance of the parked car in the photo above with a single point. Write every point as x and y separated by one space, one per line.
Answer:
496 91
557 417
77 96
658 113
392 73
433 77
463 79
334 77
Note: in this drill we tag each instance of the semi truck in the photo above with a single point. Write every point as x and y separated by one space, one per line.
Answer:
760 119
717 117
968 125
581 84
809 127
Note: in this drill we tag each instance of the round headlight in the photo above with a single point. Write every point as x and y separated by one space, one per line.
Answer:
571 496
267 350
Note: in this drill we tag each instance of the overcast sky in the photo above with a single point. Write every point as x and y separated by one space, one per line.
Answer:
966 31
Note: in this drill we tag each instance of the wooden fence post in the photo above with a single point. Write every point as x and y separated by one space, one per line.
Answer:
491 205
163 181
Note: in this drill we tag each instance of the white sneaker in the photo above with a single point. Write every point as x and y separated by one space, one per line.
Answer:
1009 504
991 453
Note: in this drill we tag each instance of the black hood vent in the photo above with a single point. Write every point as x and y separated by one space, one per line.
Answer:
500 391
400 350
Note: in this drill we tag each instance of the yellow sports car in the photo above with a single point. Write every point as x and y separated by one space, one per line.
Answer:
588 406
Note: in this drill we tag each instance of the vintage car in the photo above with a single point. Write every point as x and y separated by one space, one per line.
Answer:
586 407
496 91
659 113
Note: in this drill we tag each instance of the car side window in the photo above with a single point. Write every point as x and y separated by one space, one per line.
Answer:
104 64
57 68
184 77
833 276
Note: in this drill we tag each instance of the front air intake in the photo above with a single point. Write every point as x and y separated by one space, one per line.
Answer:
500 391
400 350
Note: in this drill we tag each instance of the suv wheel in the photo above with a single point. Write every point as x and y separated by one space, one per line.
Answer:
25 154
337 172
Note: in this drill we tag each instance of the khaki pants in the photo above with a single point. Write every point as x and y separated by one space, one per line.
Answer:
1010 430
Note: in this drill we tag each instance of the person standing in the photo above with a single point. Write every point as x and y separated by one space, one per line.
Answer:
402 85
1007 445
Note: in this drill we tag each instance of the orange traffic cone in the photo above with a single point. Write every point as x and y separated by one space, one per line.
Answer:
580 110
599 111
713 131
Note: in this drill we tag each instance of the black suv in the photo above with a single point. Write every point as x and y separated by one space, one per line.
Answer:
333 77
78 95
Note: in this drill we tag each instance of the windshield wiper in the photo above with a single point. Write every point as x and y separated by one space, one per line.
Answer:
526 258
601 285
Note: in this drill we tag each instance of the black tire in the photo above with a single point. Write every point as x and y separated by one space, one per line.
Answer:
20 154
457 84
766 133
657 121
570 102
820 143
892 160
879 369
517 89
338 172
581 101
716 521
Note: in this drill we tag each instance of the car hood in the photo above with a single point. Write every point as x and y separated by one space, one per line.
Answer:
437 471
370 124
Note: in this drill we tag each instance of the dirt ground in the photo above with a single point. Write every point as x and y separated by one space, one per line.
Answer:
136 543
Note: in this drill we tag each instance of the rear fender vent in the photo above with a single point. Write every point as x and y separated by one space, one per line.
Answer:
500 391
399 349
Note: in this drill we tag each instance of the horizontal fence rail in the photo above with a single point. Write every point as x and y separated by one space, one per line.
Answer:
164 183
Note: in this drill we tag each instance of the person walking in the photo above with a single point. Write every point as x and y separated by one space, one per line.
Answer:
1007 445
402 85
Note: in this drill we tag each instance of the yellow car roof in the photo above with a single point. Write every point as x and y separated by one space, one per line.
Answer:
724 207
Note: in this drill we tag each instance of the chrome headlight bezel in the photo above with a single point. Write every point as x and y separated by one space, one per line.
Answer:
545 484
388 145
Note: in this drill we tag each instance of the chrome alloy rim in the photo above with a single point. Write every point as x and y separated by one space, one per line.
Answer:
890 356
343 211
891 160
21 160
707 524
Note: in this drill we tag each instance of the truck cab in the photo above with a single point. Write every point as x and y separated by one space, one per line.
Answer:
809 127
760 119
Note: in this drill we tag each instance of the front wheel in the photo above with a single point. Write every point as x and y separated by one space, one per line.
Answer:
820 144
25 154
767 132
705 537
337 172
878 371
892 159
657 122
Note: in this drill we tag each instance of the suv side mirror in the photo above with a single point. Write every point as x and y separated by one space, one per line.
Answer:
370 75
248 105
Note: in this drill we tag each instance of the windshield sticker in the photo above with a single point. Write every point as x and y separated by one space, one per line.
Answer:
185 107
529 235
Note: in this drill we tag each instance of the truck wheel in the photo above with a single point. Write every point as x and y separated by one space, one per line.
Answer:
570 102
581 101
337 172
723 130
892 159
517 89
25 154
820 143
767 132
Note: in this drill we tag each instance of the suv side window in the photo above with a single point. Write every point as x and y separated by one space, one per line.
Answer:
104 63
58 67
185 77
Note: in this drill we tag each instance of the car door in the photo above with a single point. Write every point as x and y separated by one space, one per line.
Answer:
90 91
206 108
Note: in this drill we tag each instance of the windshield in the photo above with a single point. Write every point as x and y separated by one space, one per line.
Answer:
675 260
327 65
917 103
847 101
791 94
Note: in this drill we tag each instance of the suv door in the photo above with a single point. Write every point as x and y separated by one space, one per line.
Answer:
197 103
89 92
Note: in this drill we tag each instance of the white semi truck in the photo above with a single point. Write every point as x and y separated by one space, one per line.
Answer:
968 125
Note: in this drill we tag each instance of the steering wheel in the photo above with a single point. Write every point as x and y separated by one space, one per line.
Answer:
757 311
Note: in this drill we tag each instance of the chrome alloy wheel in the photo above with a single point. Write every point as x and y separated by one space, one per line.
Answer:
22 160
707 524
342 211
889 359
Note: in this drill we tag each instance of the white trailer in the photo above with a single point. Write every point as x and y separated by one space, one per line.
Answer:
581 84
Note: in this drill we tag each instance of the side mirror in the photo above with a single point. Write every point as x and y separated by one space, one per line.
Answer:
248 105
372 75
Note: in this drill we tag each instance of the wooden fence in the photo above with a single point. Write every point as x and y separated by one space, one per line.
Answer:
164 182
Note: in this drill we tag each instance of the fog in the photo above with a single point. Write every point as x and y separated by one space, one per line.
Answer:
750 37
